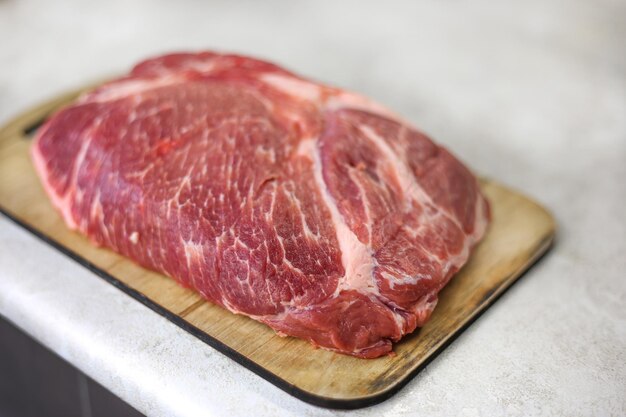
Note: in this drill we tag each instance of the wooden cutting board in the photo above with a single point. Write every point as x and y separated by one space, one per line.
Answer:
520 233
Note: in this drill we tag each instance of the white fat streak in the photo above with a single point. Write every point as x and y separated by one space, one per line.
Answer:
306 147
404 279
129 88
96 207
334 99
356 257
481 222
193 252
305 226
202 66
424 307
265 152
345 99
294 86
133 87
193 255
235 310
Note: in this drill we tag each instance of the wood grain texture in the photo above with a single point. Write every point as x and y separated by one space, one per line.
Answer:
520 233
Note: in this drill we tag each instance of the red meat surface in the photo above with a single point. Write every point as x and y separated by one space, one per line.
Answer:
306 207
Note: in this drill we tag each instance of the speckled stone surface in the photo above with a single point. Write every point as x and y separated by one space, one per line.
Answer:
530 93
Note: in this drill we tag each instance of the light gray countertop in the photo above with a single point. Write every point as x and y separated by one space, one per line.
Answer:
532 94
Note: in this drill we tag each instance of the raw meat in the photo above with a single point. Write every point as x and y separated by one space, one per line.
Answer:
306 207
